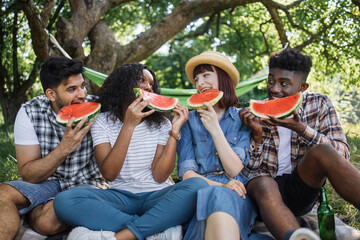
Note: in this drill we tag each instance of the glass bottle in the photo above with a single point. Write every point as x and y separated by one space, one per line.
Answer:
326 218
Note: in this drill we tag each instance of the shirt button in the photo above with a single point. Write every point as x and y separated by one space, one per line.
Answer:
216 153
217 169
235 138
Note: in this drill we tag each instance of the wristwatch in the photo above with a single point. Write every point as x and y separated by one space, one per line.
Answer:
177 136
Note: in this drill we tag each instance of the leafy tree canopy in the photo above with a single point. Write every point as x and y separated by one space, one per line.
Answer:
165 34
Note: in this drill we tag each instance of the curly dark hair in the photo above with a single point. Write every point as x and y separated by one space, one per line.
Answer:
292 60
57 69
117 93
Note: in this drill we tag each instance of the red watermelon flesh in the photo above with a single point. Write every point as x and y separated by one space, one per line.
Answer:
279 108
78 111
158 102
212 96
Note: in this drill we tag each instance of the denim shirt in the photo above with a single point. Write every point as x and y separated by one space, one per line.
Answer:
196 149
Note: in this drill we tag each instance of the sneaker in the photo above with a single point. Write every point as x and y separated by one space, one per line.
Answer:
304 234
82 233
173 233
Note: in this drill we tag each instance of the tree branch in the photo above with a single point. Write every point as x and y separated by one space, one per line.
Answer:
47 11
272 9
151 40
38 34
56 15
201 30
14 50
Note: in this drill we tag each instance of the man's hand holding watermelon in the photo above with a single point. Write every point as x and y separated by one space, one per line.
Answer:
73 136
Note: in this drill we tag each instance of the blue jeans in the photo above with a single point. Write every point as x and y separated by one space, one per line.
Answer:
36 193
143 213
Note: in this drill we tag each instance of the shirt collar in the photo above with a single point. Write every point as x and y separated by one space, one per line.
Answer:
230 111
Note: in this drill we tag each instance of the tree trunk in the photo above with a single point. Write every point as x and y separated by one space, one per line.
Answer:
10 107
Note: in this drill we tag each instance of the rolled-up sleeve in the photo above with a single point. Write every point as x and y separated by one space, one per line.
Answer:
185 151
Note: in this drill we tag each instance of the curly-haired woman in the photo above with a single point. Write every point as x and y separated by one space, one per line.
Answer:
135 150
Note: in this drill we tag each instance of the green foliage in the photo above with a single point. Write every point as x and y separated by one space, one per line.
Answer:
8 164
347 212
346 99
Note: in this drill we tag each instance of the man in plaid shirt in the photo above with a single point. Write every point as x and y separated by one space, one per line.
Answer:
291 158
51 158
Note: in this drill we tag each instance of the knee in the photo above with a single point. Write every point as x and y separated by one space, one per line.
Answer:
64 201
322 151
46 226
5 193
264 189
196 183
44 221
10 195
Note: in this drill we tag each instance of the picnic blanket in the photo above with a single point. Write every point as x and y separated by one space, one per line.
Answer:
309 220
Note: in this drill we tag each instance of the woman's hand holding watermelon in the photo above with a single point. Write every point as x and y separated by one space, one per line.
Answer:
181 115
209 118
134 114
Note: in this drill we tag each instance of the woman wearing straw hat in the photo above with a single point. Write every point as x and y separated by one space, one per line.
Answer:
214 146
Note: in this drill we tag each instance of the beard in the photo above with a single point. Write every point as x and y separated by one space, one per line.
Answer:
60 103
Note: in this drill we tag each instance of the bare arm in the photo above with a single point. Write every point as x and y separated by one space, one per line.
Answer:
111 160
233 184
230 161
35 169
164 160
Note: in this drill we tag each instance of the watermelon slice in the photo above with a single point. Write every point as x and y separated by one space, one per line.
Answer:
279 108
211 96
79 110
158 103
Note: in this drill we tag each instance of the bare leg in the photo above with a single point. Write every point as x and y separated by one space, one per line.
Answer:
323 161
220 225
125 234
265 192
44 221
11 200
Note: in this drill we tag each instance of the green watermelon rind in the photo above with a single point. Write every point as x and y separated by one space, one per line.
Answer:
201 105
280 116
91 118
157 108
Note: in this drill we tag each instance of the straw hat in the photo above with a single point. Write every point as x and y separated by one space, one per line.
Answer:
213 58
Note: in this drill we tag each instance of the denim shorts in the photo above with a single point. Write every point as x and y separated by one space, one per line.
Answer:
36 193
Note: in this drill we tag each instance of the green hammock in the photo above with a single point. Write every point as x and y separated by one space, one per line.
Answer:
183 94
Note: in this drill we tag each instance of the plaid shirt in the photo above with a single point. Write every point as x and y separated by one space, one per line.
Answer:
322 126
80 166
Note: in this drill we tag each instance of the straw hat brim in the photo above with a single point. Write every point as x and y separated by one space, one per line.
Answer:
213 58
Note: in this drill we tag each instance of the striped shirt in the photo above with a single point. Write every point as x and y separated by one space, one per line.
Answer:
322 126
135 175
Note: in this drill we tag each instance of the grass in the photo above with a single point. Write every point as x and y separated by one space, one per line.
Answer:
344 210
8 164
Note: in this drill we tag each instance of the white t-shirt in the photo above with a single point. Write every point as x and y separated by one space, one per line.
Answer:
284 152
24 131
135 175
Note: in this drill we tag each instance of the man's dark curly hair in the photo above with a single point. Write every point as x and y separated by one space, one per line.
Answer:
292 60
117 93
